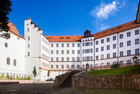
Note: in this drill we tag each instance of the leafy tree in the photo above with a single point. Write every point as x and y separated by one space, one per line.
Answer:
34 72
48 73
5 8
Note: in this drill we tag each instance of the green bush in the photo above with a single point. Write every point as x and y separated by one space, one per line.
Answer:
115 65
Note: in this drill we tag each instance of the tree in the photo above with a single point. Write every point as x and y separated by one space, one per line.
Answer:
5 8
34 72
48 73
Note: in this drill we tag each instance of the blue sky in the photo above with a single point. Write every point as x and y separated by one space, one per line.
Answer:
72 17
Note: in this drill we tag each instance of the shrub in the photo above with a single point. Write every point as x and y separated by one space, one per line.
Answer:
115 65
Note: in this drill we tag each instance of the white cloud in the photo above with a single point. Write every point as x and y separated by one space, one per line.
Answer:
104 26
104 10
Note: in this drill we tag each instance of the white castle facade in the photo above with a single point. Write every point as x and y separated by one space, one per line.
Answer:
59 54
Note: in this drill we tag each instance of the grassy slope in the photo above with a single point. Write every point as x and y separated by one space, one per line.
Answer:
117 71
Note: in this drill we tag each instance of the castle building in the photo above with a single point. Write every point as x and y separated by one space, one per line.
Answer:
59 54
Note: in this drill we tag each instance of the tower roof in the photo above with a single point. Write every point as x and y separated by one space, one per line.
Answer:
138 14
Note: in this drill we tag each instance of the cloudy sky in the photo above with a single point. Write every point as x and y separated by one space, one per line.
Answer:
72 17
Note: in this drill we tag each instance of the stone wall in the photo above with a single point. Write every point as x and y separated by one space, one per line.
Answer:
60 79
107 81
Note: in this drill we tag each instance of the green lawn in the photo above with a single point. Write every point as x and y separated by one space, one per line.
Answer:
117 71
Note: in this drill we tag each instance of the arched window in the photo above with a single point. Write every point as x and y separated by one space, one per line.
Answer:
14 62
73 67
8 61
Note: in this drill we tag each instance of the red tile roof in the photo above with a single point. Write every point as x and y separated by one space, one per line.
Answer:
64 38
114 30
13 28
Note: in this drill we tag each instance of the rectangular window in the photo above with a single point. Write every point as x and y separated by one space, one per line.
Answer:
62 59
96 42
6 44
62 66
83 51
108 56
90 50
51 58
129 43
128 61
62 45
114 55
67 45
114 46
78 45
96 49
121 36
128 34
78 59
114 37
136 41
121 53
67 58
91 43
102 48
102 41
128 52
51 45
136 51
91 57
83 44
57 66
56 45
121 44
97 58
67 51
78 51
62 51
51 66
72 45
108 39
57 59
108 47
136 32
51 51
72 51
57 52
73 59
121 62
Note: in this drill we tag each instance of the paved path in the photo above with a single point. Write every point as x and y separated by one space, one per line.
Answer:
40 88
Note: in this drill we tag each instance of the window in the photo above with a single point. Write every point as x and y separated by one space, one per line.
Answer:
90 50
121 36
51 66
57 66
136 32
67 66
72 51
114 55
28 30
114 46
57 52
8 61
108 39
51 51
128 52
51 58
102 48
28 38
97 58
129 43
128 34
57 45
121 53
91 43
72 45
121 44
51 45
96 49
78 51
67 45
78 59
62 45
96 42
72 66
14 62
121 62
67 51
28 53
83 51
67 58
83 44
108 47
78 45
102 41
57 59
102 56
6 44
91 57
62 66
28 45
128 61
83 58
108 56
136 51
72 58
62 51
114 37
62 59
136 41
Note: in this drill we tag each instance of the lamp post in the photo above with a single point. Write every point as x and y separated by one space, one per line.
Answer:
135 59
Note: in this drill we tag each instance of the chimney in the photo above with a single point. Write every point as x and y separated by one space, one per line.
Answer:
138 14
